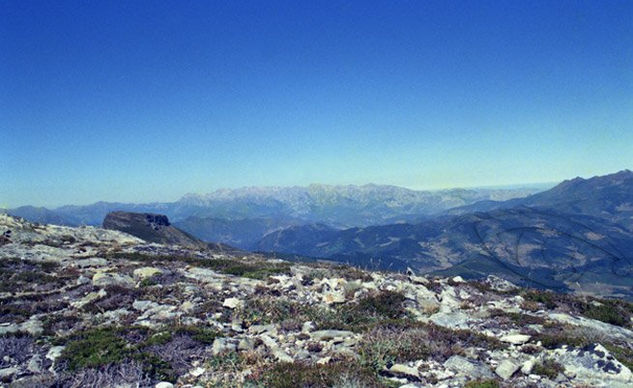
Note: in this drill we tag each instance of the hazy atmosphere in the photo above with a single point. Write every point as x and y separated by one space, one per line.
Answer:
147 101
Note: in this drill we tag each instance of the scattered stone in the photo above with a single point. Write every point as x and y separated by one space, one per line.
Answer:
191 295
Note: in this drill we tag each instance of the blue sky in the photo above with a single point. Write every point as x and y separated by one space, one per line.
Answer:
146 101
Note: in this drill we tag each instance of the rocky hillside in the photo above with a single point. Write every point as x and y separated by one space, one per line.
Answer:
89 307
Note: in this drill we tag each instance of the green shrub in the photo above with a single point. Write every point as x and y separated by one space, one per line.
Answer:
557 339
368 312
95 348
547 298
204 335
609 311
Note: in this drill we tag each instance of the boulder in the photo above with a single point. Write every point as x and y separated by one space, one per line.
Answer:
593 363
516 339
105 279
506 369
232 303
146 272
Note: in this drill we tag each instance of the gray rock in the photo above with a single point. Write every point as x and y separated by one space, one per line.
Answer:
454 320
404 371
308 327
274 348
592 363
246 344
472 368
221 345
91 262
527 366
506 369
104 279
54 352
516 339
8 328
35 364
7 373
322 335
40 380
259 329
33 326
498 284
146 272
232 303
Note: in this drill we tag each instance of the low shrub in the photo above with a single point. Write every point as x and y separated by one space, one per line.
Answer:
293 375
482 384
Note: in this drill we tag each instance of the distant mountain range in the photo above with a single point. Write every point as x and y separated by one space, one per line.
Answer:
576 235
241 217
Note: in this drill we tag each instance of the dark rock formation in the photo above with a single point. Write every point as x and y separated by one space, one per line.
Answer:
152 228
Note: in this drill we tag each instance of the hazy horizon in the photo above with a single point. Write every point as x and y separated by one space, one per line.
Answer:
146 101
533 185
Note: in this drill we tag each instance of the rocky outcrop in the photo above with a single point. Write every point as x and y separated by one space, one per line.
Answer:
151 228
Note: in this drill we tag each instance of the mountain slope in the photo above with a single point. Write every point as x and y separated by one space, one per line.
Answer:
40 215
242 233
609 196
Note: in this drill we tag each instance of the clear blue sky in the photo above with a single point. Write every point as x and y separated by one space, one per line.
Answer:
148 100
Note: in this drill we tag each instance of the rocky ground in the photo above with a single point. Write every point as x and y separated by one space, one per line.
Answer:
87 307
